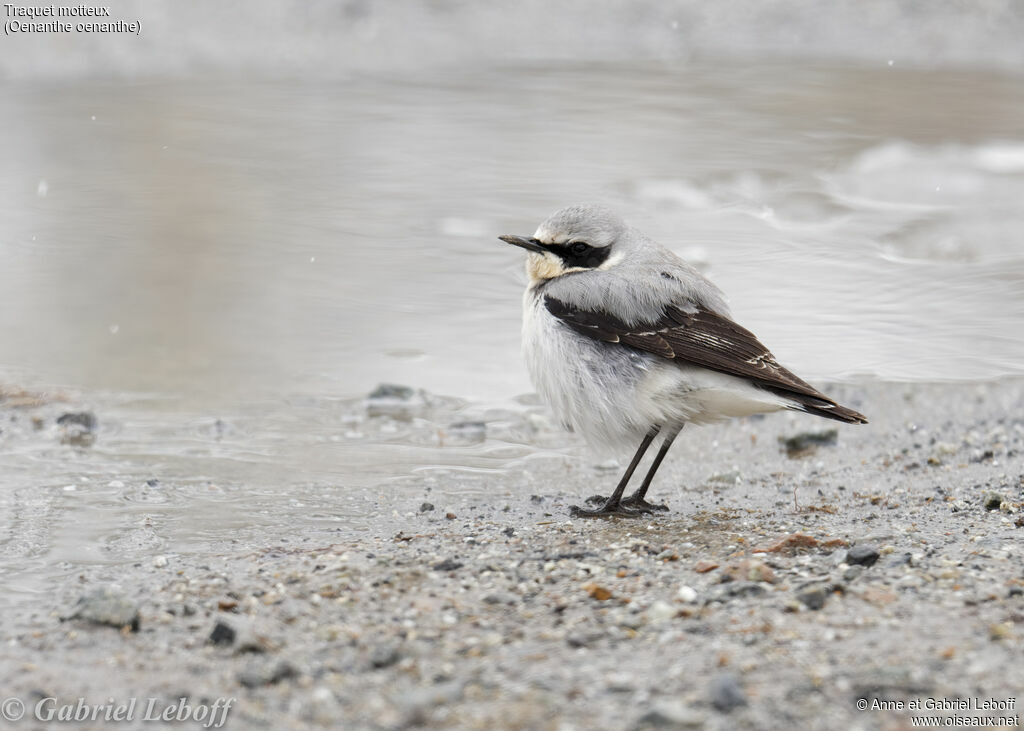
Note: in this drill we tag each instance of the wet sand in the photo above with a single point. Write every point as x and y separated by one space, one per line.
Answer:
782 589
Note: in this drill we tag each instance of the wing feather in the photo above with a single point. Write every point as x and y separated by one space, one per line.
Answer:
704 338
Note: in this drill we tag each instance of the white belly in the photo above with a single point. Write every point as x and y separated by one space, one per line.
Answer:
613 395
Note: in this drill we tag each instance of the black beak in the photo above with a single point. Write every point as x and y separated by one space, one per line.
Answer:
524 243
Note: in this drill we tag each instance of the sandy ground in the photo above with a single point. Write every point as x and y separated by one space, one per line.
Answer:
783 590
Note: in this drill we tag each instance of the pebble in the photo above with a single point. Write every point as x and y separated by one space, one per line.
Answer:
398 402
449 564
426 507
992 500
261 673
726 694
384 656
687 594
863 554
807 443
78 428
222 634
813 597
109 607
660 612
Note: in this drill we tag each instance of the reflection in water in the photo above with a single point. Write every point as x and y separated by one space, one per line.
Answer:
181 252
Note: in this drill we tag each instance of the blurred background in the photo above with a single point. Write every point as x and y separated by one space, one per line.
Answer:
221 233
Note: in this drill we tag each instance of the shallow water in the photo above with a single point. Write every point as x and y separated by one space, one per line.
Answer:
220 270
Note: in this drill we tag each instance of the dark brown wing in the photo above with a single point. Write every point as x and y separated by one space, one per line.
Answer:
707 339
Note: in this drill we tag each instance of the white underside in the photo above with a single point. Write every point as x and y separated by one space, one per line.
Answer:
613 395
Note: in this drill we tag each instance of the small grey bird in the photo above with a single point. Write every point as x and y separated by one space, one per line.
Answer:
624 340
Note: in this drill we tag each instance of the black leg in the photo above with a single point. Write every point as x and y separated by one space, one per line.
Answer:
636 500
614 504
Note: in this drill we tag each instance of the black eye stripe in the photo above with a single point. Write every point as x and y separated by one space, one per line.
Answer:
580 254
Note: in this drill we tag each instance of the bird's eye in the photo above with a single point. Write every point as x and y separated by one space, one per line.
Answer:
579 248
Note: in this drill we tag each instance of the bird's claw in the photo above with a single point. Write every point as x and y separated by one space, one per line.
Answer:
606 511
638 503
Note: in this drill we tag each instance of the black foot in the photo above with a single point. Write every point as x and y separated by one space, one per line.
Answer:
638 503
606 511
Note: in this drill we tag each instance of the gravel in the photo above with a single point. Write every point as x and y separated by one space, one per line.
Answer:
741 609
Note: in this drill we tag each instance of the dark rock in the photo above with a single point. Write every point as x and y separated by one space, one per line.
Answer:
399 402
992 500
78 428
391 390
814 596
806 443
494 599
583 639
426 507
107 607
384 656
726 694
509 531
222 634
863 554
85 419
449 564
267 673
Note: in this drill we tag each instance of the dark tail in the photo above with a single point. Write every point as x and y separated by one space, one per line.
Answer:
825 407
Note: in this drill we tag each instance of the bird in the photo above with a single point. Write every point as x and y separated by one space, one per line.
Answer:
624 341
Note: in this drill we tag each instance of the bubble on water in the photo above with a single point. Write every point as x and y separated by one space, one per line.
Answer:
42 189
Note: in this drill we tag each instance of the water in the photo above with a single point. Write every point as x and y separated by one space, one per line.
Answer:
221 270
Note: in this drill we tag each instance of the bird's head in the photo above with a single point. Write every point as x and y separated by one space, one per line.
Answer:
575 239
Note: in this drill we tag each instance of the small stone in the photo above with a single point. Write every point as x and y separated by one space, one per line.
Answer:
813 597
77 429
863 554
807 443
107 607
660 612
671 714
732 477
398 402
384 656
222 634
597 592
703 567
450 516
84 419
992 500
509 531
159 561
494 599
449 564
687 594
266 673
726 694
426 507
